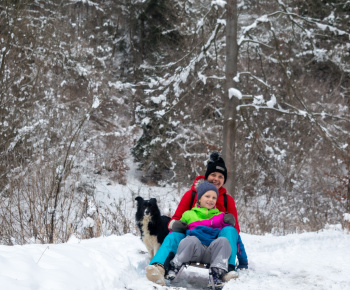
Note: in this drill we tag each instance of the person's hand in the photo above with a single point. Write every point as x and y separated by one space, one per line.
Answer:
178 226
242 265
229 219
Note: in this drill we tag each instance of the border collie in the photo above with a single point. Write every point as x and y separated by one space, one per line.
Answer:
152 225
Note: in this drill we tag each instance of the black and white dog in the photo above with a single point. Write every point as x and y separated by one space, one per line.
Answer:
152 225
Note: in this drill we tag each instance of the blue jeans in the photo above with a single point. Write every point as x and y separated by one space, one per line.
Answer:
172 241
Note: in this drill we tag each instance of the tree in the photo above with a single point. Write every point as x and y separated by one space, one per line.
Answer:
163 69
58 78
230 100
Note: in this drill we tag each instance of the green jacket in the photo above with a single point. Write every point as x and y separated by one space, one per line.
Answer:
199 214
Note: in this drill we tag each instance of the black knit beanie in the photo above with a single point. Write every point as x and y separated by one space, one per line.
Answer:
216 164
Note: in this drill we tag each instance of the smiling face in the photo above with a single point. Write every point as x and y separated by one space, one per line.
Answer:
217 179
208 199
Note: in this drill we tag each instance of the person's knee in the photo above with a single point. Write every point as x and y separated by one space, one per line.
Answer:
229 232
191 240
222 241
173 238
176 235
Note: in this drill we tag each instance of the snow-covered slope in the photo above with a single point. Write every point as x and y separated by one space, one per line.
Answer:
299 261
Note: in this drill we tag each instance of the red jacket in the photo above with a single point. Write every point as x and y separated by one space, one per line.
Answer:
220 204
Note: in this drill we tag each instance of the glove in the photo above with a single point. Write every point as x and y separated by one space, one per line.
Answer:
229 219
242 265
178 226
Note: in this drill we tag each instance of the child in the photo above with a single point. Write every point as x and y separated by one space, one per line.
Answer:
204 222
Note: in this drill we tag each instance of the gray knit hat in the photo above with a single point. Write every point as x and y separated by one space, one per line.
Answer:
205 186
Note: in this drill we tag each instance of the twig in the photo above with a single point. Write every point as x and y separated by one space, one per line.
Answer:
42 254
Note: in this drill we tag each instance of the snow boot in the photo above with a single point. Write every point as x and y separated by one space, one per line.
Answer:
173 270
155 273
232 274
217 281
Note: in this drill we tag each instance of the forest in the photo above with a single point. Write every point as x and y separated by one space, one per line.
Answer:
91 88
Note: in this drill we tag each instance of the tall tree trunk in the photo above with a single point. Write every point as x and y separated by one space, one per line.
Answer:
230 104
347 207
348 161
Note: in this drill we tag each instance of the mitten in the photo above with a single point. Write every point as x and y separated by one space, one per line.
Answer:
178 226
242 264
229 219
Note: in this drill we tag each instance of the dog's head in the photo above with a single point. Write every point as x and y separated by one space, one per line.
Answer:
146 208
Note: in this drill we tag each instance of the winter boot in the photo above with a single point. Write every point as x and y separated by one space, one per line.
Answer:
232 274
173 270
218 281
155 273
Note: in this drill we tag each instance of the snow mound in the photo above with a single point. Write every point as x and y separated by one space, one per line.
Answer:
318 260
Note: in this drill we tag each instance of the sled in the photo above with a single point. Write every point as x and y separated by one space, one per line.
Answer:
198 265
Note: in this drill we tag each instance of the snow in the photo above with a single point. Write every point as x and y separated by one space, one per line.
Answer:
221 21
96 102
263 18
160 113
272 102
202 77
347 217
159 99
317 260
232 92
145 121
331 28
220 3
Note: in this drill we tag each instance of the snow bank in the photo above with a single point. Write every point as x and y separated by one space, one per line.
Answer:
318 260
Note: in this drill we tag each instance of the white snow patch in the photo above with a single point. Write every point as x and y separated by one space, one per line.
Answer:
220 3
145 121
317 260
96 102
232 92
158 99
272 102
347 217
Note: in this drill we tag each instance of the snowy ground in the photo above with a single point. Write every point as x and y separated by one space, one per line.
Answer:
300 261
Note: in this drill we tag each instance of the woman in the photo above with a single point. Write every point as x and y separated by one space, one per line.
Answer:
216 174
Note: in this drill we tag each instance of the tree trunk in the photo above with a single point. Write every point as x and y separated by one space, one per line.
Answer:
230 104
348 189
